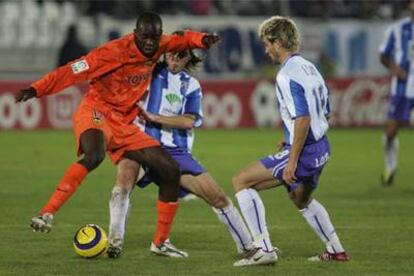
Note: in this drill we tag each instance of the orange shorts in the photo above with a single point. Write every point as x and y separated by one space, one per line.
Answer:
119 137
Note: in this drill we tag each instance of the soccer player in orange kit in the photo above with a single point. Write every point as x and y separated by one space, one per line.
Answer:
119 71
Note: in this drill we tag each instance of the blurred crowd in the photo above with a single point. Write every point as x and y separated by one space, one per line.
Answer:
32 31
320 9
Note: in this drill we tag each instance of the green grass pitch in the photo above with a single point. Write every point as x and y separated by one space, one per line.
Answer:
375 224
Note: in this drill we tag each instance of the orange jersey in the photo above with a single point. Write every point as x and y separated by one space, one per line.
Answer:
119 73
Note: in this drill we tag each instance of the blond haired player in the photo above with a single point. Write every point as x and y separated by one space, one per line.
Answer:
303 103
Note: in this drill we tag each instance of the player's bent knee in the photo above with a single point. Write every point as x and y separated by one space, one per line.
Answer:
235 183
238 182
93 160
220 201
126 178
300 203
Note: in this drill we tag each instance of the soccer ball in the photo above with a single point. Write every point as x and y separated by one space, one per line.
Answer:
90 241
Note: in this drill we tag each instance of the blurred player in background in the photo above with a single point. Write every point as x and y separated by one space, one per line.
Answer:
303 103
170 112
71 48
397 54
120 72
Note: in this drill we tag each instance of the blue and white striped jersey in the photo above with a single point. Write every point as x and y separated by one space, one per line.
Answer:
172 95
399 45
301 91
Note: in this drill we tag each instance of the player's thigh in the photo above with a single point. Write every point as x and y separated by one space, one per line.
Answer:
267 184
205 187
92 141
250 176
157 160
127 172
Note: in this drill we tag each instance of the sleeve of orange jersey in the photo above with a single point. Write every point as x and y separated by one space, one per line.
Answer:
190 39
98 62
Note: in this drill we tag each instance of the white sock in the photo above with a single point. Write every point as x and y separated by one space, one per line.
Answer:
317 217
232 219
391 153
253 211
118 210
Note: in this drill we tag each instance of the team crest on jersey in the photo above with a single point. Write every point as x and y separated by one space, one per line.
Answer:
149 63
173 98
79 66
97 117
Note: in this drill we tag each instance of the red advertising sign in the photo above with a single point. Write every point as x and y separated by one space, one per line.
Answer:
358 101
47 112
226 104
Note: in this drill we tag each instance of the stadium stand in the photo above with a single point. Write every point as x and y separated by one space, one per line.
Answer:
31 32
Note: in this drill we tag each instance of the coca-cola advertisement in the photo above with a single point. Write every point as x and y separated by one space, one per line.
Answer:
355 102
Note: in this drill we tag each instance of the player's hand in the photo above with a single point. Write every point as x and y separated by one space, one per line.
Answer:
25 94
210 40
145 115
289 173
399 72
280 145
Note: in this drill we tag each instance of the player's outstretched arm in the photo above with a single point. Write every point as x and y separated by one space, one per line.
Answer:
25 94
96 63
180 41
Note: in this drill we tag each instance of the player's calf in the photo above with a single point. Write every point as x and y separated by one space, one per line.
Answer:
238 182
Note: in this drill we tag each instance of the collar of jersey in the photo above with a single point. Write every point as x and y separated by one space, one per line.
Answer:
292 55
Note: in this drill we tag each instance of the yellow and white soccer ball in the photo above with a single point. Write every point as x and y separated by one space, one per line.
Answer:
90 241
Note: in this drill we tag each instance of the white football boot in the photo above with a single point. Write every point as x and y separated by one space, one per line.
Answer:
258 256
42 223
167 249
245 252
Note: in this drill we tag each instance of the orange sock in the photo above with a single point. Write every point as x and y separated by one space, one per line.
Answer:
166 212
66 188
